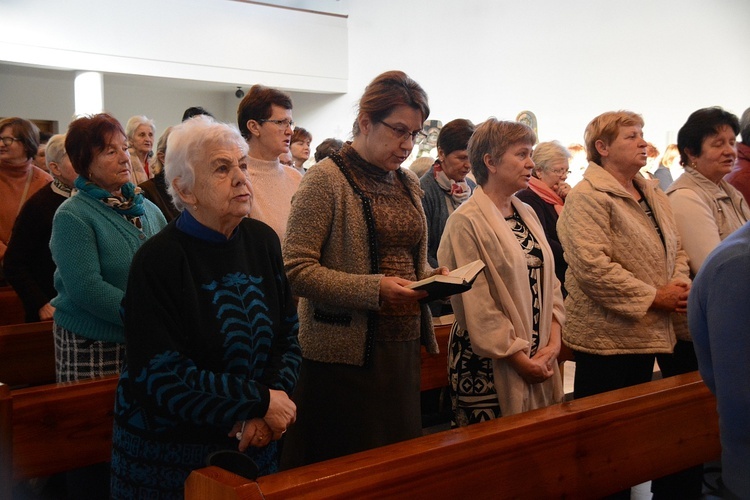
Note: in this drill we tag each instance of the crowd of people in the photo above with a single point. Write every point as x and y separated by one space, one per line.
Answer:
255 307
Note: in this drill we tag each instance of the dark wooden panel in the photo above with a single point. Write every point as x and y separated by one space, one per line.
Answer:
27 354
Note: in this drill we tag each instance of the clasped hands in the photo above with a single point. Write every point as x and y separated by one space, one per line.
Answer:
672 297
538 368
259 432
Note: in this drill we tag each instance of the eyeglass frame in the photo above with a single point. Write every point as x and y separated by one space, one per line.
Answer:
5 140
560 172
402 133
283 124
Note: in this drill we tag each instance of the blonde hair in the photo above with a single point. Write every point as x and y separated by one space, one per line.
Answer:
494 137
605 128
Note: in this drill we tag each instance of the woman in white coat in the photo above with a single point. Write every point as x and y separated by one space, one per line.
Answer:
505 341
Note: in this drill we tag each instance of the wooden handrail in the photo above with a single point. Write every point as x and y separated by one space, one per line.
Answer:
586 448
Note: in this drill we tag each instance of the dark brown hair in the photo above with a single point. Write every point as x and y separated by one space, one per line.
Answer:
455 135
705 122
327 147
25 131
88 136
256 105
385 92
300 134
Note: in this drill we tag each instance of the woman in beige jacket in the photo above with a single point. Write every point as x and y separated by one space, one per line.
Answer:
504 344
626 270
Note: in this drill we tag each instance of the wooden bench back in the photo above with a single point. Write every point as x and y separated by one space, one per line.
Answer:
6 443
11 307
27 354
435 366
57 427
586 448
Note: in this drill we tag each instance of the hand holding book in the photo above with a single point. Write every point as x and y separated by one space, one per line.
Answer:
457 281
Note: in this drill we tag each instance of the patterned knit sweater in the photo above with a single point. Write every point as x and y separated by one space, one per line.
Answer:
327 258
211 326
92 246
274 185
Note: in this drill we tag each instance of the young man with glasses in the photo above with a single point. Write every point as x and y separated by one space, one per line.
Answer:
265 120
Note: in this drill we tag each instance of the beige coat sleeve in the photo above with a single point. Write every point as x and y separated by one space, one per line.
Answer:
490 329
585 232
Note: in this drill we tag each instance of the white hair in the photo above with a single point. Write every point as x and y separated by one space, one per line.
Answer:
187 145
135 122
55 149
547 153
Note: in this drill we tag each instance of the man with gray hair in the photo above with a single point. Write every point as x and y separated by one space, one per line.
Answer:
739 177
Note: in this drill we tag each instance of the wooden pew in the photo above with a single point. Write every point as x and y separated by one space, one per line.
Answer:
54 428
586 448
6 443
435 366
11 307
27 354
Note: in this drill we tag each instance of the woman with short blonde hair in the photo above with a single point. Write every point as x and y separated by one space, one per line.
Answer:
502 356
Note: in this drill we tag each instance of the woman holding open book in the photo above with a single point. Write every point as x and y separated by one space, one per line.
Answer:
356 238
503 348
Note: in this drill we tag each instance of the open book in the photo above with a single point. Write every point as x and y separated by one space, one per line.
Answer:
458 281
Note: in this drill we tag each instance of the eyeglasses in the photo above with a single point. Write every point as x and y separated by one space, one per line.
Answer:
7 141
560 172
282 124
402 134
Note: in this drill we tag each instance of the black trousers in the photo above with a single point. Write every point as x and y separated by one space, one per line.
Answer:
596 373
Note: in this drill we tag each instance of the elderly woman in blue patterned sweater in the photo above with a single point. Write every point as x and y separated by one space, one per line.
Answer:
210 327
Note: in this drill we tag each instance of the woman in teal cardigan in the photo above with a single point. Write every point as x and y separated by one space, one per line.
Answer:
95 235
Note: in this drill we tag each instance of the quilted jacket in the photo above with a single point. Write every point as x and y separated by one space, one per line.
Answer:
616 261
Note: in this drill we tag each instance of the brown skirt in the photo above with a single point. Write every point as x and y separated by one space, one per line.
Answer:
343 409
